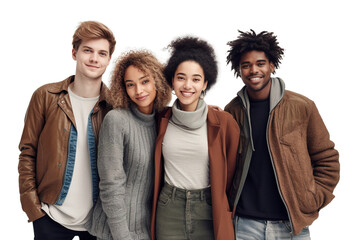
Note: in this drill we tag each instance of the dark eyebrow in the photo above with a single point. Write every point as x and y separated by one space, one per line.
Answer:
247 62
145 76
195 75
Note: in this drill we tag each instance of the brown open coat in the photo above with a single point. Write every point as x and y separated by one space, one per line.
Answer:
223 139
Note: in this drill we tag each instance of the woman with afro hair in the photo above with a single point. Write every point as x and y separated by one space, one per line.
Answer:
195 151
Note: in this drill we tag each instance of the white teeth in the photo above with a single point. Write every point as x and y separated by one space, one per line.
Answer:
187 94
254 79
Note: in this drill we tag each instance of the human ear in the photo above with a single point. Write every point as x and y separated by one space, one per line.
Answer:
73 53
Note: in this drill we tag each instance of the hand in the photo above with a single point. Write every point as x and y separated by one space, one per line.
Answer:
216 108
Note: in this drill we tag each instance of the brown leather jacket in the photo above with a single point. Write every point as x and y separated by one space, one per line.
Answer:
223 139
305 162
44 144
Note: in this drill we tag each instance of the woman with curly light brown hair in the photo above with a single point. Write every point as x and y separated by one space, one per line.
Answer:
126 148
145 62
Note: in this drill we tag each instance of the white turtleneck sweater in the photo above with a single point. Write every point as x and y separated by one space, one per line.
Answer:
185 148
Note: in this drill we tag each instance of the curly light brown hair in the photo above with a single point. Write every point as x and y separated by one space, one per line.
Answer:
147 63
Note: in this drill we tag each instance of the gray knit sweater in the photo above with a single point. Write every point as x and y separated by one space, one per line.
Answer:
125 165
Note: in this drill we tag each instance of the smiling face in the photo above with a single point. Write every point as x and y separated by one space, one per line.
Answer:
188 82
255 71
92 58
141 89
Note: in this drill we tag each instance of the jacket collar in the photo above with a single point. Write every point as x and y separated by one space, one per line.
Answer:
63 87
277 92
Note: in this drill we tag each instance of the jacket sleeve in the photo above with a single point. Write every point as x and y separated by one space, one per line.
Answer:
232 144
324 158
34 123
112 175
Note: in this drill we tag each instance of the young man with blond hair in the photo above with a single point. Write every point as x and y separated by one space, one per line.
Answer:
57 164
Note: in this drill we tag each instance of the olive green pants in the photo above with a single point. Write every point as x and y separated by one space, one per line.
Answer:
184 214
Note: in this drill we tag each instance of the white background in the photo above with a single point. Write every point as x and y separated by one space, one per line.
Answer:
321 61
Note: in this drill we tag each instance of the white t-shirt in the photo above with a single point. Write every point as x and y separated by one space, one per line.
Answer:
74 212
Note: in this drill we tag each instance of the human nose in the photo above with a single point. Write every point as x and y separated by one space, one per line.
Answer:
187 84
138 89
253 69
93 57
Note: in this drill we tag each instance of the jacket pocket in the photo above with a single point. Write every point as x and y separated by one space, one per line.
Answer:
298 163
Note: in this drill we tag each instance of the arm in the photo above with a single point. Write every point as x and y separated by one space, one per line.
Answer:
324 158
112 175
34 123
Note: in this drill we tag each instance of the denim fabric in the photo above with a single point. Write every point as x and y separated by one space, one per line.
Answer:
184 214
71 162
69 165
93 157
253 229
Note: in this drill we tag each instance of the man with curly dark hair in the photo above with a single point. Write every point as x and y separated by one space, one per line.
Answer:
287 168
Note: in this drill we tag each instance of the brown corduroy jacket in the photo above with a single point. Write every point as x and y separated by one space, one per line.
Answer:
223 139
305 162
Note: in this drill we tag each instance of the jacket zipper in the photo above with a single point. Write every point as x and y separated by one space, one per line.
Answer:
276 177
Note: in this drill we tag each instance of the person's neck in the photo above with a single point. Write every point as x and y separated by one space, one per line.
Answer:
86 88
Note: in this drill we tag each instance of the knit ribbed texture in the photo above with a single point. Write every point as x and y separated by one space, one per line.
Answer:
125 165
190 120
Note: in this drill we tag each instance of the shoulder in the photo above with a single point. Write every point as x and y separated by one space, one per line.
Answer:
221 117
116 122
118 115
54 87
296 99
234 103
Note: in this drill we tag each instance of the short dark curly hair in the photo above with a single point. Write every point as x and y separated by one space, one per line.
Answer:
195 49
248 41
146 62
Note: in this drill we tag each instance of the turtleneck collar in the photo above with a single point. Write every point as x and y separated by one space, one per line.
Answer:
147 119
190 120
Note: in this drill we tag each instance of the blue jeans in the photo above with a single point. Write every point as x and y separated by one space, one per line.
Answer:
253 229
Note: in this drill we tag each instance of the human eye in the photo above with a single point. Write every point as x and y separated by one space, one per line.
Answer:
180 78
87 50
261 64
145 81
103 54
245 66
128 85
